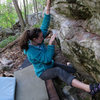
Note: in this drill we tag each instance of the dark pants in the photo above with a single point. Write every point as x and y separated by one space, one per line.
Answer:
61 71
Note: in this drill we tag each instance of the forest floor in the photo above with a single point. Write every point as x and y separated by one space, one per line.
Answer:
14 53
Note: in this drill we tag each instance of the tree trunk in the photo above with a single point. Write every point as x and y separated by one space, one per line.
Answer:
35 8
25 12
37 11
10 10
19 14
20 5
34 5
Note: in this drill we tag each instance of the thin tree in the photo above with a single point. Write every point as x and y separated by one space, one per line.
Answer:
35 8
20 5
27 8
25 12
9 10
18 11
34 5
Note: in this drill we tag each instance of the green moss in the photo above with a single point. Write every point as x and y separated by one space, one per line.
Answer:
7 41
80 12
86 57
64 12
76 11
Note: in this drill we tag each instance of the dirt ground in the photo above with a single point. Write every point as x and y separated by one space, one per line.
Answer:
14 54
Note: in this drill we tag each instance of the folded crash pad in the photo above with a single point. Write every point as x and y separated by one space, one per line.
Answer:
7 88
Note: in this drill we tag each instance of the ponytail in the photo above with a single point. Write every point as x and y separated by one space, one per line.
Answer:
28 35
24 40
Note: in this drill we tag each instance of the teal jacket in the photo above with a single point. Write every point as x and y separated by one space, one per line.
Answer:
41 56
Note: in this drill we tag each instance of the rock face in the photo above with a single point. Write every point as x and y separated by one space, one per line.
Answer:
32 19
78 26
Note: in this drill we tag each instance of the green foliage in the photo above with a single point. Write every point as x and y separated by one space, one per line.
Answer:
7 41
30 7
36 25
42 3
7 14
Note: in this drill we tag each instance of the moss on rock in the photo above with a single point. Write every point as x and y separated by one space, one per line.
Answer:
80 12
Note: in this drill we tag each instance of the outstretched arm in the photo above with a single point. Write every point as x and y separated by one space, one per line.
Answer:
48 6
46 19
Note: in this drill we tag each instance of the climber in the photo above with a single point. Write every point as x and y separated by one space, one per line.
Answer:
32 43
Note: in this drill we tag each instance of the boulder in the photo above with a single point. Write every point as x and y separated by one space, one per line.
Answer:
7 32
77 41
17 26
6 64
5 61
6 67
32 19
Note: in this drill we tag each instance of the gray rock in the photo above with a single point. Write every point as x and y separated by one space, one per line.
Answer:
77 42
66 91
6 67
17 31
5 61
7 74
8 31
32 19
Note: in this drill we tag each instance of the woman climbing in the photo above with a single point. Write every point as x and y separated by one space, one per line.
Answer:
42 57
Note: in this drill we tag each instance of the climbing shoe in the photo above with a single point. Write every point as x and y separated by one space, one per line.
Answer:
94 88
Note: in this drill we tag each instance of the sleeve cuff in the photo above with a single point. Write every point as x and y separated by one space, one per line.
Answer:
46 14
51 46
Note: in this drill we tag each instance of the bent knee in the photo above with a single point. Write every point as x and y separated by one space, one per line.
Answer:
59 70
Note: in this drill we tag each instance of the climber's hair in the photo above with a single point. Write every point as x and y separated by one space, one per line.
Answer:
28 35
